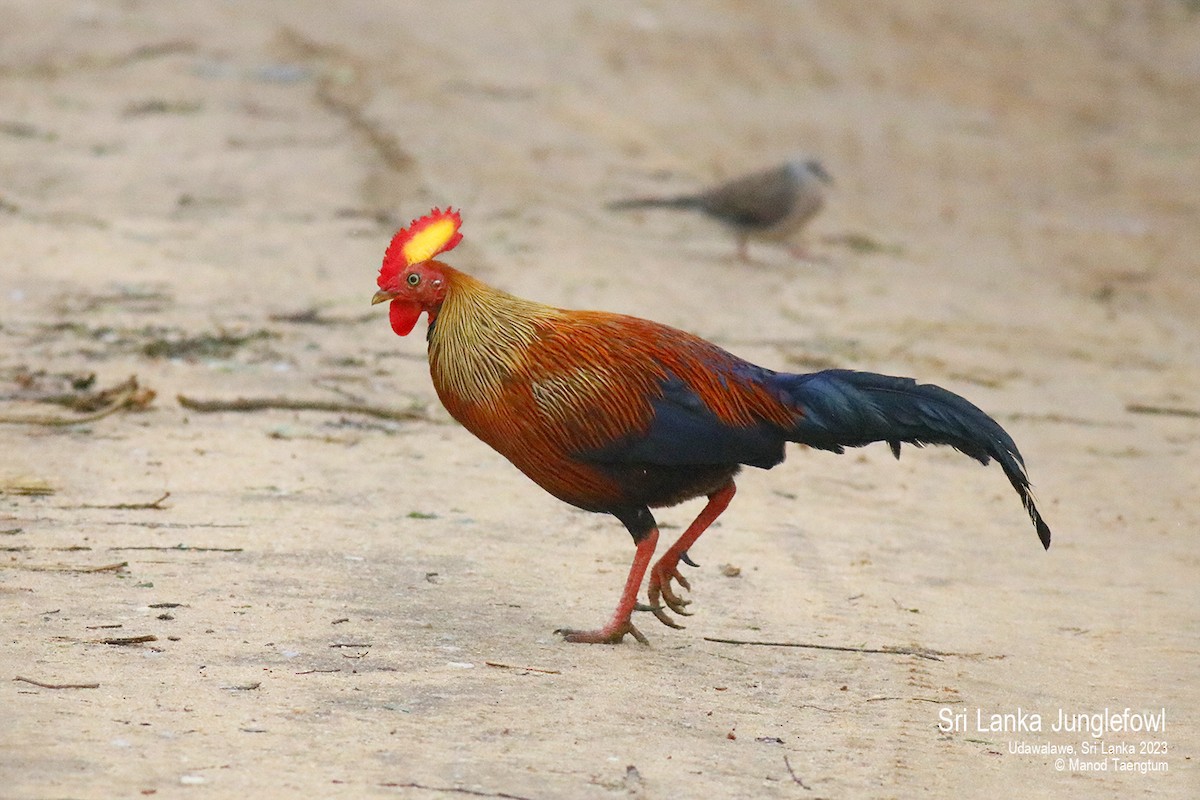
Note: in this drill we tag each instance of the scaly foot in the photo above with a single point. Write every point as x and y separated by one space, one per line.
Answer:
666 569
612 633
661 576
660 613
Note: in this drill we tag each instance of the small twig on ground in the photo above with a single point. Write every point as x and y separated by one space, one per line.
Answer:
920 652
414 413
66 568
243 687
795 777
527 669
181 547
44 685
128 640
453 790
27 487
312 671
1138 408
941 701
126 395
173 525
157 505
102 568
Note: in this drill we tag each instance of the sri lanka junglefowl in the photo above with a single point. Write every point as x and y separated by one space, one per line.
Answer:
620 415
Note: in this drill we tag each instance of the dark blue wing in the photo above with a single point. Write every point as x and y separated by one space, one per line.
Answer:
684 432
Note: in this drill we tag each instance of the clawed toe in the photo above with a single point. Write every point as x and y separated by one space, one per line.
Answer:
674 601
682 581
664 618
661 613
612 633
660 590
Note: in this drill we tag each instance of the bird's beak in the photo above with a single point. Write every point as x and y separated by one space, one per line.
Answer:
382 296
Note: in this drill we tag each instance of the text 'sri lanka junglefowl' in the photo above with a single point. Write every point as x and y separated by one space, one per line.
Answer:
620 415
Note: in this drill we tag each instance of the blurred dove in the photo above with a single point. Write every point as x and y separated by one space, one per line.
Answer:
773 204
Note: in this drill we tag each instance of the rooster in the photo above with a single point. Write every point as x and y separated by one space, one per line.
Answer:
619 415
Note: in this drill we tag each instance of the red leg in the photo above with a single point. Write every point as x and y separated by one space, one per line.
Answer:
620 624
666 568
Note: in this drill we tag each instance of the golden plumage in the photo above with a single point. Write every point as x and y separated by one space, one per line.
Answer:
619 415
544 386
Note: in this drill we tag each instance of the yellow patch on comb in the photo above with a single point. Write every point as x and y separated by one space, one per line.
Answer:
424 238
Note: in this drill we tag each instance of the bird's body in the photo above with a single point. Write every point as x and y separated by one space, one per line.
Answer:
559 393
773 204
619 415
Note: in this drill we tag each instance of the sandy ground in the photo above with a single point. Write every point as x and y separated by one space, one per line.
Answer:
348 606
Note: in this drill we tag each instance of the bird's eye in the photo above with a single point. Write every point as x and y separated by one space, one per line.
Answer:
413 279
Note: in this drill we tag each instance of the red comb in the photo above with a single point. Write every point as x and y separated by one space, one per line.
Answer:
424 238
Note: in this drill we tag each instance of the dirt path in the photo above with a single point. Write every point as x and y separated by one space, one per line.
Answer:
345 605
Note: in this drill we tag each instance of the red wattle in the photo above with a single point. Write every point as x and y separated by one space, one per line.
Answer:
403 316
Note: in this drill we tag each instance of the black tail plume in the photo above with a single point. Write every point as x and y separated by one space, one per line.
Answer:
844 408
